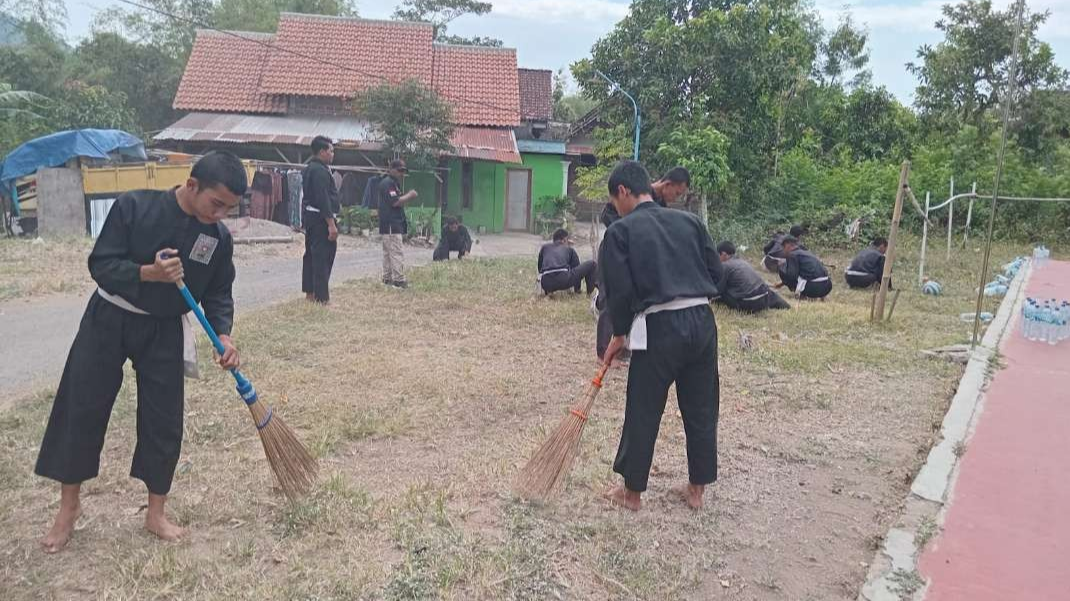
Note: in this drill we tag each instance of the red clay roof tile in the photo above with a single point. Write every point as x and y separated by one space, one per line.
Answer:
480 82
536 94
223 74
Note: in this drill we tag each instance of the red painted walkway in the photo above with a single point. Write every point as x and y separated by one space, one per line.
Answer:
1006 536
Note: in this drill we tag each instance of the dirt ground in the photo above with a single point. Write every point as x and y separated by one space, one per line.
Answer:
423 404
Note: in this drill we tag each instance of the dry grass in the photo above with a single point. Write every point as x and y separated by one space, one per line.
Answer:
424 404
30 268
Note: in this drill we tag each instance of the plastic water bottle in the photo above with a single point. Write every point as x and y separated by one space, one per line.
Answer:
1047 323
1065 321
1029 316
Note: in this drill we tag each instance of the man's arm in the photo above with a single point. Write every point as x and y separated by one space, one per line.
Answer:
573 258
713 260
406 197
218 303
110 264
542 252
617 281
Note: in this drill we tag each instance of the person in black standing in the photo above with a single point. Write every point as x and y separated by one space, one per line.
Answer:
560 267
743 289
150 240
659 272
867 268
455 238
392 223
803 273
321 229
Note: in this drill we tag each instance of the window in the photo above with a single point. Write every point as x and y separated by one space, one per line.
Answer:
466 185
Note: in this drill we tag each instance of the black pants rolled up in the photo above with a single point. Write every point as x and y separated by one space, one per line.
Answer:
318 260
584 274
74 437
443 250
861 280
681 349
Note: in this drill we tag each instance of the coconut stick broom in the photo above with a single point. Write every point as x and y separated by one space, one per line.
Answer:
544 475
294 467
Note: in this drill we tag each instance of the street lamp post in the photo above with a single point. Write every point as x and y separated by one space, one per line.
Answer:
615 87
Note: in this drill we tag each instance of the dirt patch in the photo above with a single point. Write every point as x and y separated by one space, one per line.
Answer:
423 404
249 227
40 267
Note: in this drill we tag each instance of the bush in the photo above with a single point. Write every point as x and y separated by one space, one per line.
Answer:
358 218
552 212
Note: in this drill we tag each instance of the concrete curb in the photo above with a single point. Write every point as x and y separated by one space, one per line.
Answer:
893 574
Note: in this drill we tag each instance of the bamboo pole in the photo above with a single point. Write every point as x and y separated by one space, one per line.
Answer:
969 216
893 235
1008 102
924 241
950 218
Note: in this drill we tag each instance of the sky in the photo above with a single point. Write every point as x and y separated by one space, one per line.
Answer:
551 34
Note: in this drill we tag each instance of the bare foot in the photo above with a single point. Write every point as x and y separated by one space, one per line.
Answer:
692 495
622 497
159 525
60 533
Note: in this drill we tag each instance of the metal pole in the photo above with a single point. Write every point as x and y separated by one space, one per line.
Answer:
950 218
969 216
1008 100
615 87
924 241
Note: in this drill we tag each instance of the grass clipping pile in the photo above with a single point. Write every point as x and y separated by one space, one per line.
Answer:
422 406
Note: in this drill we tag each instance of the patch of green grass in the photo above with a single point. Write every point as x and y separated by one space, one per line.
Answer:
927 529
906 583
335 505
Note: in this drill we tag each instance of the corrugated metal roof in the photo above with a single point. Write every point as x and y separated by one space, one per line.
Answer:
483 143
541 146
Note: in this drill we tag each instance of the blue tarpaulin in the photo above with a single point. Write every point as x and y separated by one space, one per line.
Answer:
56 149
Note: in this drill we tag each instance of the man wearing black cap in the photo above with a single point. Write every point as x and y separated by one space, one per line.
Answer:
392 223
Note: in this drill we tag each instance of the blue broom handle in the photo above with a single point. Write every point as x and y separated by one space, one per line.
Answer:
243 382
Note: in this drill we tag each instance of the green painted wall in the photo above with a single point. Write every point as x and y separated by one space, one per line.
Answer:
426 186
547 176
488 189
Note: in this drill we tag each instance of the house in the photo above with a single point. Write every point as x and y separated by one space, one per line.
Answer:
265 96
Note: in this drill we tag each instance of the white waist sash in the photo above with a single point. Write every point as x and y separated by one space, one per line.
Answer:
538 280
189 345
637 335
853 272
757 296
802 283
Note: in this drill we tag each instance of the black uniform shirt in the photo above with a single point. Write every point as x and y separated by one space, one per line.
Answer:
320 193
803 264
557 256
142 223
610 214
460 240
652 256
870 260
741 280
391 218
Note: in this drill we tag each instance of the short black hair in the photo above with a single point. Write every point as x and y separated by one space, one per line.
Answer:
727 248
790 240
797 231
451 220
879 241
632 175
321 143
221 167
560 234
678 175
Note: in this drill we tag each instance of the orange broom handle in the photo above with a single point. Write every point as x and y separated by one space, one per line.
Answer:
597 381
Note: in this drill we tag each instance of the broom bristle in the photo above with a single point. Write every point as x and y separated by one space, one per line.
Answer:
544 475
294 467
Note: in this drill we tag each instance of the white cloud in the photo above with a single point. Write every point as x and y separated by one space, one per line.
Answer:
921 17
561 11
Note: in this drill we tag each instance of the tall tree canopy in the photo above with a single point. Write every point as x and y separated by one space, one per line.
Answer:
441 13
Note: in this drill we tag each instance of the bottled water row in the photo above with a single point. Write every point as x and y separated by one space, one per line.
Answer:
1041 256
1046 320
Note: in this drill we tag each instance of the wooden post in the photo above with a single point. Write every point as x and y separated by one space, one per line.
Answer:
924 241
950 218
893 234
969 216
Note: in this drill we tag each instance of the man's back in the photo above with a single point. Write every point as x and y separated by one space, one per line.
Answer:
809 266
665 254
870 260
741 280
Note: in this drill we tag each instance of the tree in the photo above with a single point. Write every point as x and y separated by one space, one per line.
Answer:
79 106
37 64
845 52
19 103
49 14
414 122
171 25
704 152
961 78
263 15
441 13
144 73
568 106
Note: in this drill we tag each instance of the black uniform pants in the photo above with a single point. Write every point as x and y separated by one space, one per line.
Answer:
812 290
861 281
74 438
563 280
444 248
681 348
771 300
318 261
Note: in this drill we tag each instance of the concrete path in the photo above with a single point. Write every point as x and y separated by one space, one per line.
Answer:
37 333
1006 531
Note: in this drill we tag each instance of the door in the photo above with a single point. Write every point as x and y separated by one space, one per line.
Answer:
517 199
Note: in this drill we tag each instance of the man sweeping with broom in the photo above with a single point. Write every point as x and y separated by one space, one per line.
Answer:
659 270
150 241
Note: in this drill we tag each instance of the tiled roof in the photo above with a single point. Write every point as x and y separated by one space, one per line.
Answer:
228 74
480 83
370 50
223 74
536 94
